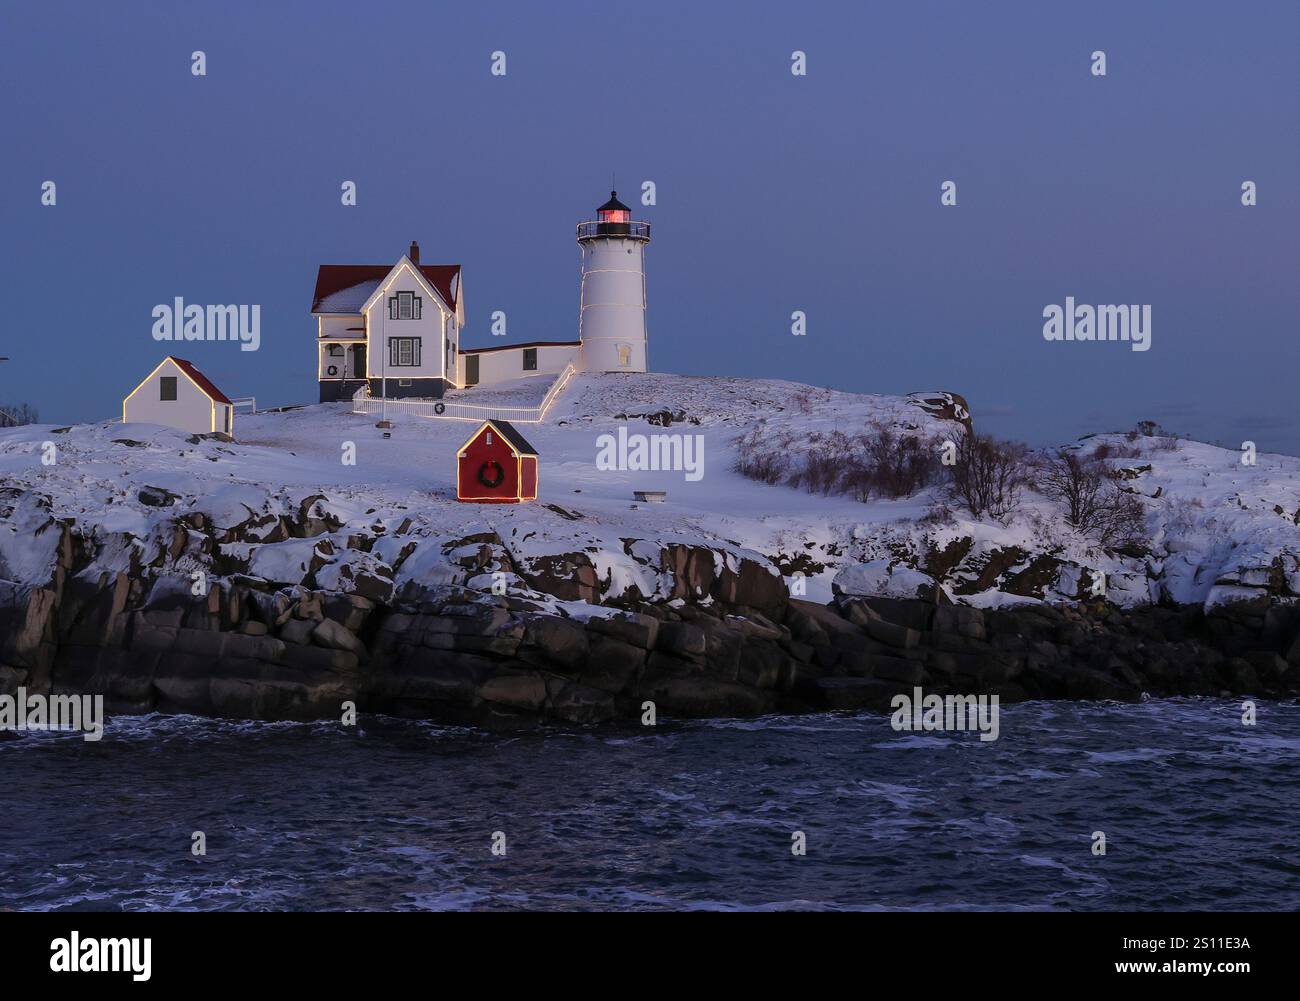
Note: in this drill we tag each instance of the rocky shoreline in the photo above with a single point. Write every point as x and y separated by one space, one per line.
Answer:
179 573
740 646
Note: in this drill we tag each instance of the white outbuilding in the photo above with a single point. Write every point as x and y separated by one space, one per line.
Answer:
178 395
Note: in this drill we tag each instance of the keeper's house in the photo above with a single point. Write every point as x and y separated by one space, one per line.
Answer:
178 395
496 466
389 325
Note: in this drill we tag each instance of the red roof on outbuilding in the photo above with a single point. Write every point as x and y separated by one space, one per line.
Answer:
200 380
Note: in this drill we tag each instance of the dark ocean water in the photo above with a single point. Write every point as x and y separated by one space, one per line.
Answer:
1198 810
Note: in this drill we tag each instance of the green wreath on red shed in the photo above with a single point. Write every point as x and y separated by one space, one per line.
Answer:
491 481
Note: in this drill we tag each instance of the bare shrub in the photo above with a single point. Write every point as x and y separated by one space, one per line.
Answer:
758 459
858 481
17 414
1094 503
900 464
989 474
938 514
879 461
1182 516
1107 450
1166 441
1122 521
766 467
822 471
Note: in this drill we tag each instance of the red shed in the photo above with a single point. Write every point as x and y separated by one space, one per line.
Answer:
496 466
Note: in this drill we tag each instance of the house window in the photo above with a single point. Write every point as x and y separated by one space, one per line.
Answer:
487 438
404 351
530 359
336 350
404 306
167 387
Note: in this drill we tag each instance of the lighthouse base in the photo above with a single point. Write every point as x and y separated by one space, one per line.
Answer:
613 354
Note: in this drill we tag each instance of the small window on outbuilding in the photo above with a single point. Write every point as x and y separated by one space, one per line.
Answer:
167 387
530 359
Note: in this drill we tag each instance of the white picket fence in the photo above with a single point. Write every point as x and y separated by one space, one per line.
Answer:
364 403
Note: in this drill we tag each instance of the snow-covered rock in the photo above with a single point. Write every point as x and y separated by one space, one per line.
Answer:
281 505
884 579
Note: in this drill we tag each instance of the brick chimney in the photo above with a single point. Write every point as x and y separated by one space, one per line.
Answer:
414 255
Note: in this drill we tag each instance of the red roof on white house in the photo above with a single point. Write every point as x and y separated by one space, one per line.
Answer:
345 288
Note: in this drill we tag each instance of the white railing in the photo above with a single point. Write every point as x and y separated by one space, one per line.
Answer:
364 403
245 401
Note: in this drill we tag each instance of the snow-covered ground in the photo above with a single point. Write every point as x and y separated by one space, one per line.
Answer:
1216 526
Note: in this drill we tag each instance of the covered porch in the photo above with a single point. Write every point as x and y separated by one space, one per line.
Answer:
341 367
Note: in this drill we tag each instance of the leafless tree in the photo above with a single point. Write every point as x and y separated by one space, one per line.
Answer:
988 475
1122 520
1077 483
1094 502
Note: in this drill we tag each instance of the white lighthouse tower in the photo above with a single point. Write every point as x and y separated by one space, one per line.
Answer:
611 317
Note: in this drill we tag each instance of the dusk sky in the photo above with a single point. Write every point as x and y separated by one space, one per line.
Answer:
775 192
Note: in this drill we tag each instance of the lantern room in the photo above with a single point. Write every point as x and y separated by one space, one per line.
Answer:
613 219
613 210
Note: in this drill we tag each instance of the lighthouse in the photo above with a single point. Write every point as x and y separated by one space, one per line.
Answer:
611 315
